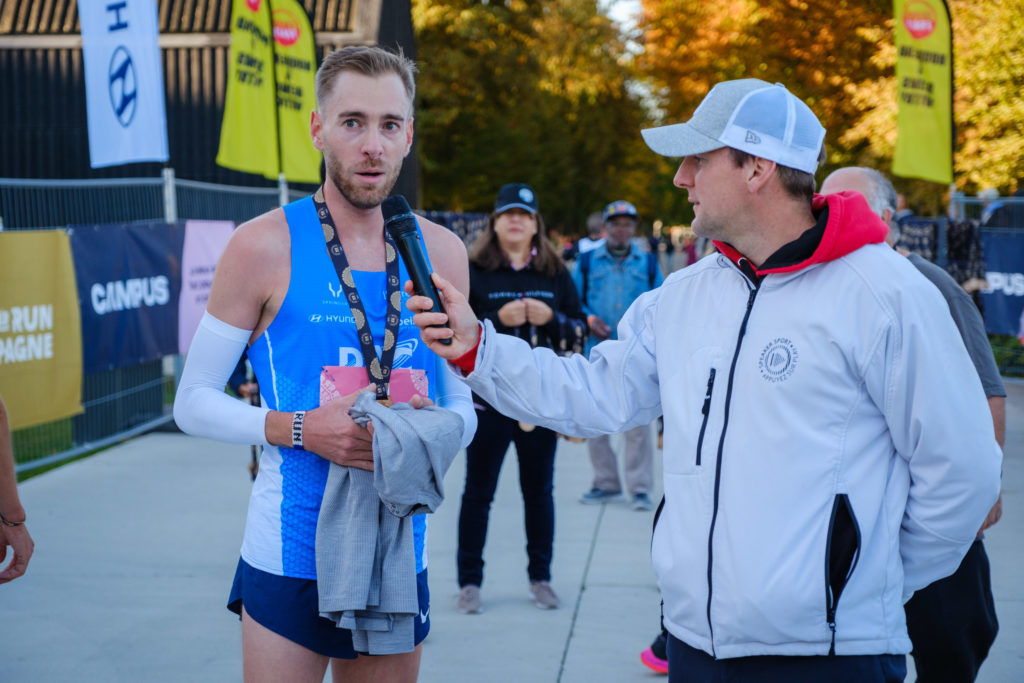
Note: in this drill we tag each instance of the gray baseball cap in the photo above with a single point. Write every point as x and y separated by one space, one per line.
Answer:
751 115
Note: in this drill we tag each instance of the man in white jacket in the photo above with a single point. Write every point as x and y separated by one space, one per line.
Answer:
827 446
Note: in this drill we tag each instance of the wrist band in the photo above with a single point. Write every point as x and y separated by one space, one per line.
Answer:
6 522
297 419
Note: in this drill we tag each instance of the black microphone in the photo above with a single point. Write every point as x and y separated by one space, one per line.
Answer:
400 223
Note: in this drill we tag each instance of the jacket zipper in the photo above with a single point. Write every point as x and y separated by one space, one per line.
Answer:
832 595
705 411
721 440
830 602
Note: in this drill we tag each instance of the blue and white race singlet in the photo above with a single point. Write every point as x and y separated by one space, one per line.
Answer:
314 328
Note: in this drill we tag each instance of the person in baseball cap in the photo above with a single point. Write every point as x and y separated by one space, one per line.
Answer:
750 115
818 469
516 196
619 208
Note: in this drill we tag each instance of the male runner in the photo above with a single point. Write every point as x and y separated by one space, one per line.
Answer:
317 284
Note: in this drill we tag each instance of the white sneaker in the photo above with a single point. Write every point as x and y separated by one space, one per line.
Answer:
468 601
543 595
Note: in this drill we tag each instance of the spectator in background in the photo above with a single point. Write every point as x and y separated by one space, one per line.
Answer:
595 234
952 622
1007 213
989 204
13 532
903 212
519 284
242 384
246 389
609 278
690 249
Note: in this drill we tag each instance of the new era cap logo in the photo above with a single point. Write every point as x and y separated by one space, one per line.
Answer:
752 137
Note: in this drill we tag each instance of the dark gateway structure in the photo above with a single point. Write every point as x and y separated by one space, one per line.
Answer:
43 132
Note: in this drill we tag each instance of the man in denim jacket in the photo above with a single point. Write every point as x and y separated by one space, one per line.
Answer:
609 278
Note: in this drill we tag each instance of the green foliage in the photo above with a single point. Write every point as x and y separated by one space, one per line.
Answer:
549 94
1009 354
33 443
527 92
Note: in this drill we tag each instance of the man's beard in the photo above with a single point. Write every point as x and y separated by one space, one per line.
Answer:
359 196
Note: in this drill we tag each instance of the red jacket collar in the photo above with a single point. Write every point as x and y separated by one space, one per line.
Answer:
851 225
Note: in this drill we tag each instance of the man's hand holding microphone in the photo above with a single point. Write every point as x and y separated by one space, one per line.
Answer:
458 323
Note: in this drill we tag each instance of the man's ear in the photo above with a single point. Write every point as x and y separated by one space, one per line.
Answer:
316 129
408 137
758 172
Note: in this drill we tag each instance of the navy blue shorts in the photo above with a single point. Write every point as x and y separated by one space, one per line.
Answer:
686 664
290 608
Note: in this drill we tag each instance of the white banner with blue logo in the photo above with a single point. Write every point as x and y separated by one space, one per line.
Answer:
124 89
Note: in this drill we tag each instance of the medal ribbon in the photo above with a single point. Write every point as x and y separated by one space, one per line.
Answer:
377 369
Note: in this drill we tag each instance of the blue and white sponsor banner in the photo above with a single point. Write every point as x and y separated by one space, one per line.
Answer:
124 88
129 281
1004 271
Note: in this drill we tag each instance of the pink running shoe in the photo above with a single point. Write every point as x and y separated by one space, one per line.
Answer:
655 657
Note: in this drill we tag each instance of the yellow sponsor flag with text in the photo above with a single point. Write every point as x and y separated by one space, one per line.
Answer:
924 90
248 135
40 328
295 70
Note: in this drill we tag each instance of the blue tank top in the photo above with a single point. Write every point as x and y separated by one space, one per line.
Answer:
314 328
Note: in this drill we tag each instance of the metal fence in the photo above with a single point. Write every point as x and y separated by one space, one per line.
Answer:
209 201
34 204
128 401
997 212
57 203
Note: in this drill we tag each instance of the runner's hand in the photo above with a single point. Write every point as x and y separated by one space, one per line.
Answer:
329 432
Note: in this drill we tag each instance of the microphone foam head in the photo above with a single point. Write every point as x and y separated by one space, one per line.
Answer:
395 205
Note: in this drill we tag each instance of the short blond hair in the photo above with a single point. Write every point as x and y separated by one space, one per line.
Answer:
368 60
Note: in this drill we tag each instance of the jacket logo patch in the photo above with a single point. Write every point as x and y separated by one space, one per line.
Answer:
778 360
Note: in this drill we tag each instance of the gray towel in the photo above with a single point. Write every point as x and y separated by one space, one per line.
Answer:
365 560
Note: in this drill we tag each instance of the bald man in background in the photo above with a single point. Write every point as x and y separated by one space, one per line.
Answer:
952 622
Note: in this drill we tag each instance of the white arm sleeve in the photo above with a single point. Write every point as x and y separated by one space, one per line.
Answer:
201 407
454 395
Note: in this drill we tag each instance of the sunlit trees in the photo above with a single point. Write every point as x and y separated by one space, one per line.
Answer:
547 93
526 92
839 57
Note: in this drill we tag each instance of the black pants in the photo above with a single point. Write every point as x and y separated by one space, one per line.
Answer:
690 665
952 622
536 453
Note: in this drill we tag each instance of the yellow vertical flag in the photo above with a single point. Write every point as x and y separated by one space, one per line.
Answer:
40 328
924 88
295 69
248 136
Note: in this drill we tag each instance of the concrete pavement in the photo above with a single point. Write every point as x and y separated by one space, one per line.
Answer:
136 548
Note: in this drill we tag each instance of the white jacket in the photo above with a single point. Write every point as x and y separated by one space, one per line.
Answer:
830 412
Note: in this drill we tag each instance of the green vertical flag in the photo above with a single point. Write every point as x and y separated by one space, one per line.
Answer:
248 135
924 88
295 70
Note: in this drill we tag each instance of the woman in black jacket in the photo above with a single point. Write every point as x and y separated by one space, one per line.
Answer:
519 283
